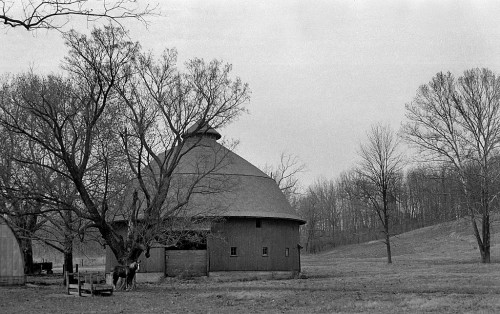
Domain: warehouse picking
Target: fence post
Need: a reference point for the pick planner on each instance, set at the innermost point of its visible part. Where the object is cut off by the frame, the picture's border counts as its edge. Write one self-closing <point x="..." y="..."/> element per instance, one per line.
<point x="64" y="274"/>
<point x="78" y="281"/>
<point x="91" y="285"/>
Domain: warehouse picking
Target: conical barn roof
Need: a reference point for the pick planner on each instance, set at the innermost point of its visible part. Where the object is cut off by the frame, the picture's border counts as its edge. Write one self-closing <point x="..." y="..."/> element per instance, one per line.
<point x="233" y="188"/>
<point x="250" y="192"/>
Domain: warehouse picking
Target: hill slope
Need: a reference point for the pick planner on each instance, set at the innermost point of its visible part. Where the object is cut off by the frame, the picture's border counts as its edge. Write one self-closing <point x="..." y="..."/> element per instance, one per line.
<point x="447" y="241"/>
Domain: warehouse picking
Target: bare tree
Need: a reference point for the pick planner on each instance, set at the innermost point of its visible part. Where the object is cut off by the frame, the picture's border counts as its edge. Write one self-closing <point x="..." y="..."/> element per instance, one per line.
<point x="120" y="128"/>
<point x="37" y="200"/>
<point x="286" y="174"/>
<point x="23" y="215"/>
<point x="458" y="122"/>
<point x="380" y="172"/>
<point x="324" y="194"/>
<point x="55" y="14"/>
<point x="351" y="207"/>
<point x="59" y="202"/>
<point x="309" y="210"/>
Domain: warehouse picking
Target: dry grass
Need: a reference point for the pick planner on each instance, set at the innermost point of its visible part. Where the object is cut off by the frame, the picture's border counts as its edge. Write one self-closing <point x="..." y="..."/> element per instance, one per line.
<point x="436" y="269"/>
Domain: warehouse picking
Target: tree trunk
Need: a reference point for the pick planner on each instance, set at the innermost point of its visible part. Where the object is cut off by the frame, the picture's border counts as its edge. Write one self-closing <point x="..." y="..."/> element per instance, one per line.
<point x="68" y="257"/>
<point x="27" y="247"/>
<point x="386" y="228"/>
<point x="388" y="244"/>
<point x="68" y="266"/>
<point x="485" y="195"/>
<point x="483" y="244"/>
<point x="333" y="234"/>
<point x="485" y="254"/>
<point x="485" y="248"/>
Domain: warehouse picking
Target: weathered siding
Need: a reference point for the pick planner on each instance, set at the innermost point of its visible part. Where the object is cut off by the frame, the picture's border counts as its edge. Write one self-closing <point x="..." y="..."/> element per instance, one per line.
<point x="111" y="261"/>
<point x="11" y="258"/>
<point x="242" y="233"/>
<point x="156" y="261"/>
<point x="186" y="262"/>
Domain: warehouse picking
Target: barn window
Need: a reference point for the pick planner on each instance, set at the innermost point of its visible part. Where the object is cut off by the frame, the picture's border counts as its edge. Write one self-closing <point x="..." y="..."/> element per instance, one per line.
<point x="234" y="251"/>
<point x="265" y="251"/>
<point x="287" y="252"/>
<point x="258" y="223"/>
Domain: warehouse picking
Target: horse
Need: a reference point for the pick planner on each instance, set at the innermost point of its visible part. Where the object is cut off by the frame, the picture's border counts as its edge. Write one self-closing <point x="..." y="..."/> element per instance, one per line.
<point x="127" y="272"/>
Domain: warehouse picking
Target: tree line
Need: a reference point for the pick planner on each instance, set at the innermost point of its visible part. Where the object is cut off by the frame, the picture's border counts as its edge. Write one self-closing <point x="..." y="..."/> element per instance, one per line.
<point x="453" y="126"/>
<point x="337" y="215"/>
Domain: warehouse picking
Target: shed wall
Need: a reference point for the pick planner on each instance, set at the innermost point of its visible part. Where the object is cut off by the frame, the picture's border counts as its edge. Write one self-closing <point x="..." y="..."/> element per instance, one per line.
<point x="11" y="258"/>
<point x="111" y="261"/>
<point x="275" y="234"/>
<point x="156" y="261"/>
<point x="154" y="264"/>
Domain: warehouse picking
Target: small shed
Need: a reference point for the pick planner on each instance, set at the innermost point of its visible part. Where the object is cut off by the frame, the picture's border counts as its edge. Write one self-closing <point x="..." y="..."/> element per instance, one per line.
<point x="11" y="257"/>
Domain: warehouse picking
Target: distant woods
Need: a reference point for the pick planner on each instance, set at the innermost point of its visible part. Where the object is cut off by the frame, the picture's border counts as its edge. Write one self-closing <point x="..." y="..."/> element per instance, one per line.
<point x="336" y="214"/>
<point x="453" y="128"/>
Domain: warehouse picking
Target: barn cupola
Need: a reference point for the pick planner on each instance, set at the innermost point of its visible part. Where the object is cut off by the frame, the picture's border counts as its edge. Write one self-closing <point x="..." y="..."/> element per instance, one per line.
<point x="205" y="131"/>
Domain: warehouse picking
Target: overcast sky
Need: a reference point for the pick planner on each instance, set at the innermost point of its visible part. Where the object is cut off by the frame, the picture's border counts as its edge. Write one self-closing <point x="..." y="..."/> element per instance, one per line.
<point x="321" y="72"/>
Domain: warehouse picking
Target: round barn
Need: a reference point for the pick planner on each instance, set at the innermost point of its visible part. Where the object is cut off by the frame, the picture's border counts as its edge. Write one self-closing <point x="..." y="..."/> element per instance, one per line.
<point x="259" y="230"/>
<point x="11" y="258"/>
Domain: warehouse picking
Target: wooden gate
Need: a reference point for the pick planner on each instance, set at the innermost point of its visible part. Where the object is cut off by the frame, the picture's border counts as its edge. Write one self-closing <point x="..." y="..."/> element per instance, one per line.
<point x="186" y="263"/>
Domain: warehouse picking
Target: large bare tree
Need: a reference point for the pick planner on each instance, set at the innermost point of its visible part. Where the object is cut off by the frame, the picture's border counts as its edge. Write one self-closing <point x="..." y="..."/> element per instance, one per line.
<point x="380" y="173"/>
<point x="55" y="14"/>
<point x="36" y="198"/>
<point x="23" y="214"/>
<point x="120" y="131"/>
<point x="457" y="121"/>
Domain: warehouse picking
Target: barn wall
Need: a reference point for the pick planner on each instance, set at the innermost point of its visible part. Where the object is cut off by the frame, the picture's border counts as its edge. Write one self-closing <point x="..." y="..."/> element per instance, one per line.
<point x="242" y="233"/>
<point x="11" y="258"/>
<point x="186" y="262"/>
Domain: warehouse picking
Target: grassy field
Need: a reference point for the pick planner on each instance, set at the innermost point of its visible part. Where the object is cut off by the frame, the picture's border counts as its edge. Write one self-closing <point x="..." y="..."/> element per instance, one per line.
<point x="435" y="269"/>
